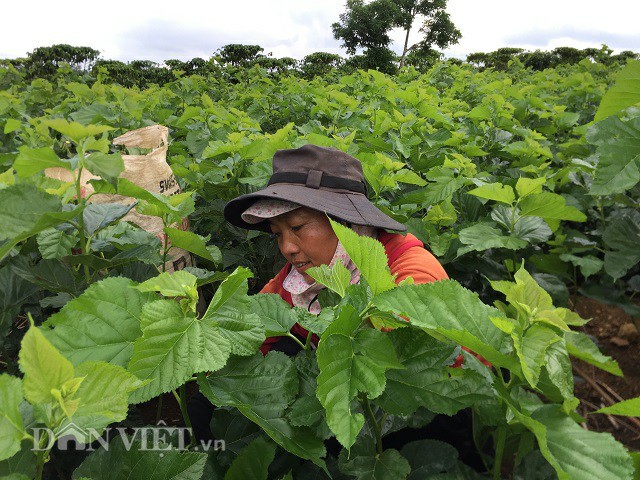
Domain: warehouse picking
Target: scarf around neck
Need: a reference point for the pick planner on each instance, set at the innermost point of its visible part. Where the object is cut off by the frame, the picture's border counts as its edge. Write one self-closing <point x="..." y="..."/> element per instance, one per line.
<point x="305" y="294"/>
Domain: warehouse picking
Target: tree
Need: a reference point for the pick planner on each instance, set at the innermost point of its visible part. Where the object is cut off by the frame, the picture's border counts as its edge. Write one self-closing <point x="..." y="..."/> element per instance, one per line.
<point x="367" y="26"/>
<point x="320" y="63"/>
<point x="238" y="55"/>
<point x="437" y="27"/>
<point x="43" y="62"/>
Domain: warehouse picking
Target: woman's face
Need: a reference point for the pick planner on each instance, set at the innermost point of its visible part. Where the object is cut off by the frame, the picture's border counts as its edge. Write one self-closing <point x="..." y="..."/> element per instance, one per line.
<point x="305" y="238"/>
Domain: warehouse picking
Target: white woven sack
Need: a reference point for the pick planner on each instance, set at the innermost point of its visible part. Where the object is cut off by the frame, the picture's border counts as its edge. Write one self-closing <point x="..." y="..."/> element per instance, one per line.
<point x="151" y="172"/>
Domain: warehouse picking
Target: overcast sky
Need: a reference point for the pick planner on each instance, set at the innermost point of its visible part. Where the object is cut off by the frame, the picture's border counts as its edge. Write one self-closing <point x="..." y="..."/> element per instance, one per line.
<point x="160" y="30"/>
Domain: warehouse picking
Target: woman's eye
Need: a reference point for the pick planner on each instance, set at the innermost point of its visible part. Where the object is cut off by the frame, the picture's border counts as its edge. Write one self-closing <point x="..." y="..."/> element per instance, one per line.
<point x="295" y="228"/>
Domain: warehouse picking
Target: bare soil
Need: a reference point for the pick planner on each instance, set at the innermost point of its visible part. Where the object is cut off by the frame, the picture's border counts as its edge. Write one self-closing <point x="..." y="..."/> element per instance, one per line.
<point x="616" y="336"/>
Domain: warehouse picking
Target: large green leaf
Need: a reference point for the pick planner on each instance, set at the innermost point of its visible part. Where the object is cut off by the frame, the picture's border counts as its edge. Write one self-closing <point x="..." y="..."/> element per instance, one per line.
<point x="581" y="346"/>
<point x="425" y="380"/>
<point x="132" y="460"/>
<point x="228" y="310"/>
<point x="433" y="459"/>
<point x="96" y="216"/>
<point x="22" y="463"/>
<point x="622" y="237"/>
<point x="532" y="348"/>
<point x="22" y="207"/>
<point x="174" y="284"/>
<point x="174" y="345"/>
<point x="557" y="366"/>
<point x="262" y="388"/>
<point x="495" y="191"/>
<point x="74" y="130"/>
<point x="11" y="424"/>
<point x="336" y="279"/>
<point x="628" y="408"/>
<point x="625" y="93"/>
<point x="527" y="186"/>
<point x="101" y="324"/>
<point x="274" y="313"/>
<point x="439" y="189"/>
<point x="389" y="465"/>
<point x="369" y="256"/>
<point x="253" y="461"/>
<point x="483" y="236"/>
<point x="14" y="291"/>
<point x="160" y="202"/>
<point x="576" y="452"/>
<point x="351" y="360"/>
<point x="618" y="151"/>
<point x="234" y="285"/>
<point x="531" y="229"/>
<point x="105" y="165"/>
<point x="194" y="243"/>
<point x="55" y="243"/>
<point x="449" y="309"/>
<point x="589" y="265"/>
<point x="33" y="160"/>
<point x="314" y="323"/>
<point x="551" y="207"/>
<point x="27" y="211"/>
<point x="50" y="274"/>
<point x="103" y="396"/>
<point x="44" y="368"/>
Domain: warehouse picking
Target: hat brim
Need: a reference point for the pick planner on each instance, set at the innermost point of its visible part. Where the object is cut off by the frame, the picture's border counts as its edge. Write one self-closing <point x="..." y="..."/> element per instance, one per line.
<point x="350" y="207"/>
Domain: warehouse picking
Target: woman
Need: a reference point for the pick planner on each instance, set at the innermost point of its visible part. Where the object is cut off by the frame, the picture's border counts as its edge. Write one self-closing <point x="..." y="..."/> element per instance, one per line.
<point x="309" y="183"/>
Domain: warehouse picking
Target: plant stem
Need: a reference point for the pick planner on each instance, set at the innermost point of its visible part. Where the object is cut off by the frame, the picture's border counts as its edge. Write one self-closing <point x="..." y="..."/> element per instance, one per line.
<point x="165" y="244"/>
<point x="39" y="465"/>
<point x="159" y="409"/>
<point x="181" y="399"/>
<point x="364" y="400"/>
<point x="304" y="347"/>
<point x="41" y="456"/>
<point x="601" y="211"/>
<point x="84" y="245"/>
<point x="501" y="437"/>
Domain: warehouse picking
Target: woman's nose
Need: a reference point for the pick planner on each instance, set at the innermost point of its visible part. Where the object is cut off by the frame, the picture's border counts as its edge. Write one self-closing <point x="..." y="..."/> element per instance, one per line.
<point x="288" y="245"/>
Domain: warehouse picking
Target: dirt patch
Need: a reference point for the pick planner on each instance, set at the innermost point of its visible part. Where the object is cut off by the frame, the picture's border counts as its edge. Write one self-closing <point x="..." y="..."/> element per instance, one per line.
<point x="616" y="335"/>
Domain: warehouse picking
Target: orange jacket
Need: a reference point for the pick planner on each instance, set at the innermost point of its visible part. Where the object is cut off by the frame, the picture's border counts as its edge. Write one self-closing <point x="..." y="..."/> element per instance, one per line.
<point x="407" y="258"/>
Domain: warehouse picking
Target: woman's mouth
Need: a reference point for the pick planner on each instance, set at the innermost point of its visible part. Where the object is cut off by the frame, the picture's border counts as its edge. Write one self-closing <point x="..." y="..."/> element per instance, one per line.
<point x="300" y="265"/>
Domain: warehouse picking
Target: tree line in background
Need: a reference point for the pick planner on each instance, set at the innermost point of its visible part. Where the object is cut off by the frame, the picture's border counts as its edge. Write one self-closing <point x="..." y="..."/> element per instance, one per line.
<point x="363" y="28"/>
<point x="234" y="60"/>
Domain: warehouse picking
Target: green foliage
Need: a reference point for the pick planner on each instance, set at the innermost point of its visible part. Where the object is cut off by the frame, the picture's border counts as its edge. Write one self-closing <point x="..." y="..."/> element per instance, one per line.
<point x="625" y="93"/>
<point x="486" y="167"/>
<point x="262" y="388"/>
<point x="351" y="361"/>
<point x="119" y="462"/>
<point x="618" y="149"/>
<point x="253" y="461"/>
<point x="629" y="408"/>
<point x="101" y="324"/>
<point x="368" y="255"/>
<point x="175" y="344"/>
<point x="10" y="419"/>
